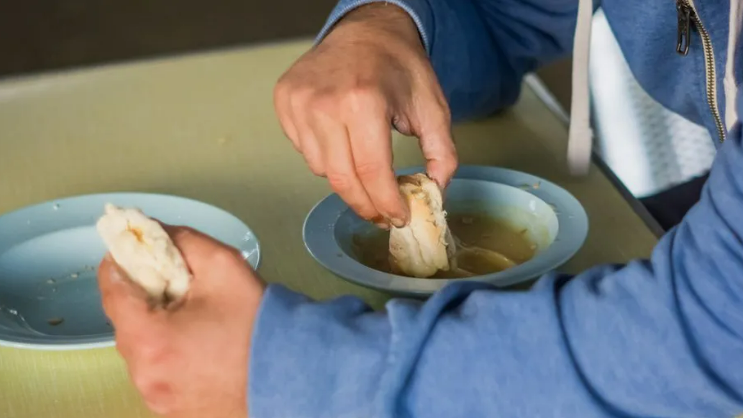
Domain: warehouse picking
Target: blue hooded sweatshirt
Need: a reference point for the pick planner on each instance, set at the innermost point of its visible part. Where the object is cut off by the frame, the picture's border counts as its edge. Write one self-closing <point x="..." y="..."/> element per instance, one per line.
<point x="655" y="338"/>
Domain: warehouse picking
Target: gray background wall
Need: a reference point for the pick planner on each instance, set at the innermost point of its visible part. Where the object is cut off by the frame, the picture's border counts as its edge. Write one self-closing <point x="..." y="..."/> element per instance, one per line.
<point x="39" y="35"/>
<point x="42" y="35"/>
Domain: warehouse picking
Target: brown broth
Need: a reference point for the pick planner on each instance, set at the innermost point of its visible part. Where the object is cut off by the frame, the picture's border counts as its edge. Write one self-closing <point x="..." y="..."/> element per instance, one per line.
<point x="473" y="231"/>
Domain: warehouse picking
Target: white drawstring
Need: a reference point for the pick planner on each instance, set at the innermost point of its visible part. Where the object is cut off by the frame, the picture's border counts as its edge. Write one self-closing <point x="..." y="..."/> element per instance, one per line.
<point x="580" y="135"/>
<point x="729" y="82"/>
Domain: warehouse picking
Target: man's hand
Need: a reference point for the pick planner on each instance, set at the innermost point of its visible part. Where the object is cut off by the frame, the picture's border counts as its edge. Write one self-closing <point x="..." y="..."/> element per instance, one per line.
<point x="190" y="361"/>
<point x="339" y="102"/>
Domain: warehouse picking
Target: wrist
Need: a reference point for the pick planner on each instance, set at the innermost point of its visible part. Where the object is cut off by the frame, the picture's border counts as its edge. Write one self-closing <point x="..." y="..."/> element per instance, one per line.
<point x="373" y="12"/>
<point x="378" y="22"/>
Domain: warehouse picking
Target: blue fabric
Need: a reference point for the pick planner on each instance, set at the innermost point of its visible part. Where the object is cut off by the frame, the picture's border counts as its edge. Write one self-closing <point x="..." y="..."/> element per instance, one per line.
<point x="481" y="49"/>
<point x="656" y="338"/>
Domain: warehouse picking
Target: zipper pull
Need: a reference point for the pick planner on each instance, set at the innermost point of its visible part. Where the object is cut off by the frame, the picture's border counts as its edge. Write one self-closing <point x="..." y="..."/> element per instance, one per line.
<point x="684" y="28"/>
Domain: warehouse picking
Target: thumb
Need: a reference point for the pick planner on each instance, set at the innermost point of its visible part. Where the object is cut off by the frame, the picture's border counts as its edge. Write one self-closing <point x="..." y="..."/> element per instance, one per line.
<point x="120" y="297"/>
<point x="436" y="142"/>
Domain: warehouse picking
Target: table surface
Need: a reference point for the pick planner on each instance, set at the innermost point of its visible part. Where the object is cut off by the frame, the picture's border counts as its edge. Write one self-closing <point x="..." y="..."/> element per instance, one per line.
<point x="203" y="126"/>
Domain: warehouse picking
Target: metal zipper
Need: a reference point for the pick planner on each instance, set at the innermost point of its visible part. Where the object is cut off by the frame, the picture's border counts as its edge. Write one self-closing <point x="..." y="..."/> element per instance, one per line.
<point x="687" y="14"/>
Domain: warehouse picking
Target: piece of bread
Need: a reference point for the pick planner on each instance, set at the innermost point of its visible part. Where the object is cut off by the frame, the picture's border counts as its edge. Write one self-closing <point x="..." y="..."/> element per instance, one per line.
<point x="425" y="245"/>
<point x="142" y="248"/>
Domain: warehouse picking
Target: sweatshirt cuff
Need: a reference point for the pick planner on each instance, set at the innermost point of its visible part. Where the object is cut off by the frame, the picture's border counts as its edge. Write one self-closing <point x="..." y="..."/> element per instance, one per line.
<point x="311" y="359"/>
<point x="419" y="11"/>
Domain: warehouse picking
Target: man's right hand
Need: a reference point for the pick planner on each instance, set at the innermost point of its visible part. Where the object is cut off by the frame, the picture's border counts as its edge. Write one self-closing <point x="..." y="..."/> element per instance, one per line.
<point x="339" y="102"/>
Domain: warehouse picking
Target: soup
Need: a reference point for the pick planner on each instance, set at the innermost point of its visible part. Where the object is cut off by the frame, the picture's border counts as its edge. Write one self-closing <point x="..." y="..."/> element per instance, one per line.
<point x="486" y="245"/>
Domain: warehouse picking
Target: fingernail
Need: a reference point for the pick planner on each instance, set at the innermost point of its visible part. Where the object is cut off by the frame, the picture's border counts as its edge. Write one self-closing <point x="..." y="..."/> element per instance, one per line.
<point x="383" y="225"/>
<point x="380" y="222"/>
<point x="115" y="274"/>
<point x="399" y="223"/>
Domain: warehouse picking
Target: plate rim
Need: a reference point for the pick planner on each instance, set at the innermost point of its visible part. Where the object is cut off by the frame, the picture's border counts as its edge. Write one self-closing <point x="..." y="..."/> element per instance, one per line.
<point x="67" y="343"/>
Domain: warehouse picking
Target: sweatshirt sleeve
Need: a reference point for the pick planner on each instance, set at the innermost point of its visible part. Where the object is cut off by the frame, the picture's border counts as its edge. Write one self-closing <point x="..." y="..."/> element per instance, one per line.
<point x="481" y="49"/>
<point x="656" y="338"/>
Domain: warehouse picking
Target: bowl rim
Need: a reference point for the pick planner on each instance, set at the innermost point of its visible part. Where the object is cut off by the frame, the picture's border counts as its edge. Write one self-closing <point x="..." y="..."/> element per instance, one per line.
<point x="318" y="234"/>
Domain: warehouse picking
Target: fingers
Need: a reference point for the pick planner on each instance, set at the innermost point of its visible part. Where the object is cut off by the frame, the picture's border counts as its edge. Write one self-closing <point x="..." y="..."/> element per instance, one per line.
<point x="436" y="142"/>
<point x="343" y="133"/>
<point x="311" y="150"/>
<point x="200" y="250"/>
<point x="349" y="142"/>
<point x="371" y="146"/>
<point x="282" y="106"/>
<point x="339" y="166"/>
<point x="218" y="269"/>
<point x="192" y="242"/>
<point x="121" y="298"/>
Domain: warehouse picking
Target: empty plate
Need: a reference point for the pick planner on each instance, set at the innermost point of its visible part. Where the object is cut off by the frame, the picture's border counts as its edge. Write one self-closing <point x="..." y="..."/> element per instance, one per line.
<point x="49" y="254"/>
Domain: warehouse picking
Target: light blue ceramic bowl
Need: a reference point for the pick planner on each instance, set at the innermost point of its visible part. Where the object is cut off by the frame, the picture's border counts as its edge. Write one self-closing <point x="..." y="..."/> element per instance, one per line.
<point x="555" y="221"/>
<point x="49" y="254"/>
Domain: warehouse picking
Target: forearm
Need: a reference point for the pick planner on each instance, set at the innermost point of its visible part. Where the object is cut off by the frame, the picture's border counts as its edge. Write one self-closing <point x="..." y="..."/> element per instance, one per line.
<point x="316" y="360"/>
<point x="554" y="351"/>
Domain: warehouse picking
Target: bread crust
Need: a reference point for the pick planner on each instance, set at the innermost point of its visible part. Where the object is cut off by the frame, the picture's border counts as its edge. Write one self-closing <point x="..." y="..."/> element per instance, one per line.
<point x="425" y="246"/>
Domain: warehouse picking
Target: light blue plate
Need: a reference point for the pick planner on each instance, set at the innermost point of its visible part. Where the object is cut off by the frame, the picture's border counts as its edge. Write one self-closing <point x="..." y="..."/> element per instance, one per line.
<point x="49" y="254"/>
<point x="555" y="221"/>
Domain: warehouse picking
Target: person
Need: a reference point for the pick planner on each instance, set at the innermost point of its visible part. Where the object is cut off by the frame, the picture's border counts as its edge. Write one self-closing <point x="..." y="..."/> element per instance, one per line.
<point x="414" y="64"/>
<point x="659" y="337"/>
<point x="656" y="338"/>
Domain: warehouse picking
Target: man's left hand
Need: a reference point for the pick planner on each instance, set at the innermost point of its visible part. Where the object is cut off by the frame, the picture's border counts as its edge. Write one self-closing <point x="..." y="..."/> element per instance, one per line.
<point x="190" y="361"/>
